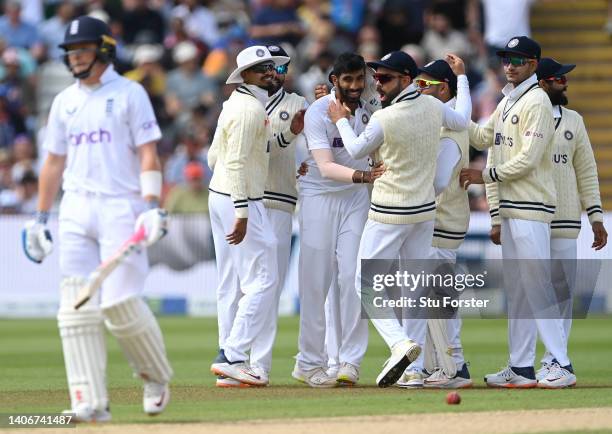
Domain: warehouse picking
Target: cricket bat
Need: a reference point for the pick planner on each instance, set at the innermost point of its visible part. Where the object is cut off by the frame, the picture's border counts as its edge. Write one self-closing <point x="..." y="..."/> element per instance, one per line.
<point x="97" y="277"/>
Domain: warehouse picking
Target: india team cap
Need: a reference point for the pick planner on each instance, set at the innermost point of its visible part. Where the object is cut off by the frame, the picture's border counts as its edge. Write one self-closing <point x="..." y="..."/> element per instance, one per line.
<point x="521" y="46"/>
<point x="277" y="50"/>
<point x="441" y="70"/>
<point x="551" y="68"/>
<point x="397" y="61"/>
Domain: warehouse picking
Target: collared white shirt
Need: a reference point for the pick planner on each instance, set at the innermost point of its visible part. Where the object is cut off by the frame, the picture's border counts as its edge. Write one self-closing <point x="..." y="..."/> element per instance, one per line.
<point x="321" y="133"/>
<point x="514" y="93"/>
<point x="99" y="130"/>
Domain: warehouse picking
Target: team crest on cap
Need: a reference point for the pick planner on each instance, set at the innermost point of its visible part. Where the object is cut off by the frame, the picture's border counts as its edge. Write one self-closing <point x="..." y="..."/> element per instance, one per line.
<point x="514" y="119"/>
<point x="568" y="135"/>
<point x="260" y="53"/>
<point x="386" y="56"/>
<point x="74" y="27"/>
<point x="272" y="48"/>
<point x="513" y="43"/>
<point x="284" y="115"/>
<point x="364" y="118"/>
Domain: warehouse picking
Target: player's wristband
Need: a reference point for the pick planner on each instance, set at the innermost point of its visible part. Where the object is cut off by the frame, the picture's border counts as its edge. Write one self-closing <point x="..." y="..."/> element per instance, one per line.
<point x="42" y="217"/>
<point x="151" y="183"/>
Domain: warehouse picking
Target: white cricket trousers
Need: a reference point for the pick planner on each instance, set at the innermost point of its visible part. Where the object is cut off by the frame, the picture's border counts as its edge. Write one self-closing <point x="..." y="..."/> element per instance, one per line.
<point x="261" y="353"/>
<point x="563" y="273"/>
<point x="453" y="325"/>
<point x="330" y="228"/>
<point x="247" y="273"/>
<point x="389" y="241"/>
<point x="93" y="227"/>
<point x="528" y="283"/>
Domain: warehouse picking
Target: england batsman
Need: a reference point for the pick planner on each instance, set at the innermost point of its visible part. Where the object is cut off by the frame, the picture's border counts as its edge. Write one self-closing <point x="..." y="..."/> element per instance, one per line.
<point x="101" y="136"/>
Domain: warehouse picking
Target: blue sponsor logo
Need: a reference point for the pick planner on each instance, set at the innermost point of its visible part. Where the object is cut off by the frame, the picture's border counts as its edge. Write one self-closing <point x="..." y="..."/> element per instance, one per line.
<point x="337" y="143"/>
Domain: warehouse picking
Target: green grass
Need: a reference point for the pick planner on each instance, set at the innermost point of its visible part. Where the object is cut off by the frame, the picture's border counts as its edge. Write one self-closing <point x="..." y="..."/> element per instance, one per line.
<point x="33" y="379"/>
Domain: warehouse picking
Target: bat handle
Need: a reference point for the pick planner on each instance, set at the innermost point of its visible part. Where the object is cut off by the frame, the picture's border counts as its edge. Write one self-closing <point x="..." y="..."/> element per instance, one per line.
<point x="81" y="303"/>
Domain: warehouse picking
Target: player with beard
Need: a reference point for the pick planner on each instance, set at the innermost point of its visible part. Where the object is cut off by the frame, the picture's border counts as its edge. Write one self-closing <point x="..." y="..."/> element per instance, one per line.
<point x="334" y="206"/>
<point x="575" y="175"/>
<point x="405" y="135"/>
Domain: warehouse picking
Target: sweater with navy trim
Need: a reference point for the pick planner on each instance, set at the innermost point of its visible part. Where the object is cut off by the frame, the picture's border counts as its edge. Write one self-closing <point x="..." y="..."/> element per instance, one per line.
<point x="404" y="194"/>
<point x="519" y="136"/>
<point x="281" y="190"/>
<point x="239" y="153"/>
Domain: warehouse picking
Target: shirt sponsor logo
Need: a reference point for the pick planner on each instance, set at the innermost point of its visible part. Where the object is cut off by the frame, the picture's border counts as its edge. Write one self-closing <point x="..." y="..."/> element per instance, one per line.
<point x="500" y="139"/>
<point x="149" y="124"/>
<point x="337" y="143"/>
<point x="560" y="158"/>
<point x="534" y="134"/>
<point x="90" y="137"/>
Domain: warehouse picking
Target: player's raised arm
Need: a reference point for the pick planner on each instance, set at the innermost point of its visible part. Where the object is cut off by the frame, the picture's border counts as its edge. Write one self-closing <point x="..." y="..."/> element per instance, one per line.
<point x="458" y="119"/>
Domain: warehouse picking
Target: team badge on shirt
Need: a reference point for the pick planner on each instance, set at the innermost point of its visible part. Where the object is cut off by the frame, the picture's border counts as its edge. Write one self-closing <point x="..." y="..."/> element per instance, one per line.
<point x="514" y="119"/>
<point x="364" y="118"/>
<point x="568" y="135"/>
<point x="284" y="115"/>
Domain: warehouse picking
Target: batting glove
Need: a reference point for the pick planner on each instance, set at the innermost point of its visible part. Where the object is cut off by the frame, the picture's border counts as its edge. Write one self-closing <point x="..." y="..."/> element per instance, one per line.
<point x="155" y="223"/>
<point x="36" y="240"/>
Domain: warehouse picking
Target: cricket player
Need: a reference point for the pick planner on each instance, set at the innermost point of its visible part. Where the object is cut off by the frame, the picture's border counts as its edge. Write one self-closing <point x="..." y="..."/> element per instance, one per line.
<point x="452" y="217"/>
<point x="101" y="136"/>
<point x="575" y="176"/>
<point x="520" y="138"/>
<point x="286" y="113"/>
<point x="334" y="206"/>
<point x="405" y="135"/>
<point x="245" y="244"/>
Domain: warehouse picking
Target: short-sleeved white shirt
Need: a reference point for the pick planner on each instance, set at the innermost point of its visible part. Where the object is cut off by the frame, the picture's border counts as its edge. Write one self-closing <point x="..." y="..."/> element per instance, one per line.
<point x="100" y="130"/>
<point x="322" y="133"/>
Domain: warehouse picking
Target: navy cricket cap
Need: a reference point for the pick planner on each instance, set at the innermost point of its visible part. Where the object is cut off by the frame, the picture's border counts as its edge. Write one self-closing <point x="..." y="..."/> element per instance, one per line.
<point x="397" y="61"/>
<point x="521" y="46"/>
<point x="551" y="68"/>
<point x="441" y="70"/>
<point x="277" y="50"/>
<point x="85" y="29"/>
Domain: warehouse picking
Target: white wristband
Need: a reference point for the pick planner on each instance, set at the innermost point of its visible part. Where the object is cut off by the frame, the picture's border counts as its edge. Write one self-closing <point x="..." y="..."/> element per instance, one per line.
<point x="151" y="183"/>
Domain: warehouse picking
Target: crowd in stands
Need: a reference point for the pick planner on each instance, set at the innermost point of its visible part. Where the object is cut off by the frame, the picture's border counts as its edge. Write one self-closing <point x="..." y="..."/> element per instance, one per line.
<point x="182" y="52"/>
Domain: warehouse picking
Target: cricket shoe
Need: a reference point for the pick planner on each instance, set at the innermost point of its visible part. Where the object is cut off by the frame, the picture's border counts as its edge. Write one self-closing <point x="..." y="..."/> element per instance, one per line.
<point x="83" y="413"/>
<point x="348" y="374"/>
<point x="543" y="371"/>
<point x="155" y="398"/>
<point x="239" y="370"/>
<point x="512" y="378"/>
<point x="558" y="377"/>
<point x="226" y="382"/>
<point x="439" y="380"/>
<point x="316" y="377"/>
<point x="402" y="354"/>
<point x="411" y="379"/>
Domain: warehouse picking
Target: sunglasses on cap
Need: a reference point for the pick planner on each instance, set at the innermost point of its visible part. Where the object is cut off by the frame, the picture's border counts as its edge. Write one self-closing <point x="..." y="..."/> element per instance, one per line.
<point x="262" y="68"/>
<point x="425" y="84"/>
<point x="515" y="61"/>
<point x="282" y="69"/>
<point x="384" y="78"/>
<point x="560" y="80"/>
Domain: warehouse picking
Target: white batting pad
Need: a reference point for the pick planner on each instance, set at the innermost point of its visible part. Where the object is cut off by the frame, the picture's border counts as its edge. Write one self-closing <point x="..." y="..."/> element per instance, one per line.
<point x="439" y="337"/>
<point x="136" y="329"/>
<point x="84" y="346"/>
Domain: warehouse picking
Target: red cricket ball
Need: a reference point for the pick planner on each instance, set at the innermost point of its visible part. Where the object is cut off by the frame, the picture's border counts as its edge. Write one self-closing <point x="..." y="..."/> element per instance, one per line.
<point x="453" y="398"/>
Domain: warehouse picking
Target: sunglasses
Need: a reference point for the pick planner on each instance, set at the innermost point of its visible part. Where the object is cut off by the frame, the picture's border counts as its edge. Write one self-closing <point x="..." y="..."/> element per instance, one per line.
<point x="384" y="78"/>
<point x="561" y="80"/>
<point x="515" y="61"/>
<point x="262" y="68"/>
<point x="282" y="69"/>
<point x="424" y="84"/>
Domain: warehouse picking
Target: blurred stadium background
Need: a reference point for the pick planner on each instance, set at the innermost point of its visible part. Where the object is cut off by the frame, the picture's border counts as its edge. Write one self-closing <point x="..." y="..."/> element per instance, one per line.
<point x="182" y="52"/>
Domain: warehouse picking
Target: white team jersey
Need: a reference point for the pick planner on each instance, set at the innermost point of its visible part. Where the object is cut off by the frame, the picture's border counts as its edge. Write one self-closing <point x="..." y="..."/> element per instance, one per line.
<point x="321" y="133"/>
<point x="100" y="130"/>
